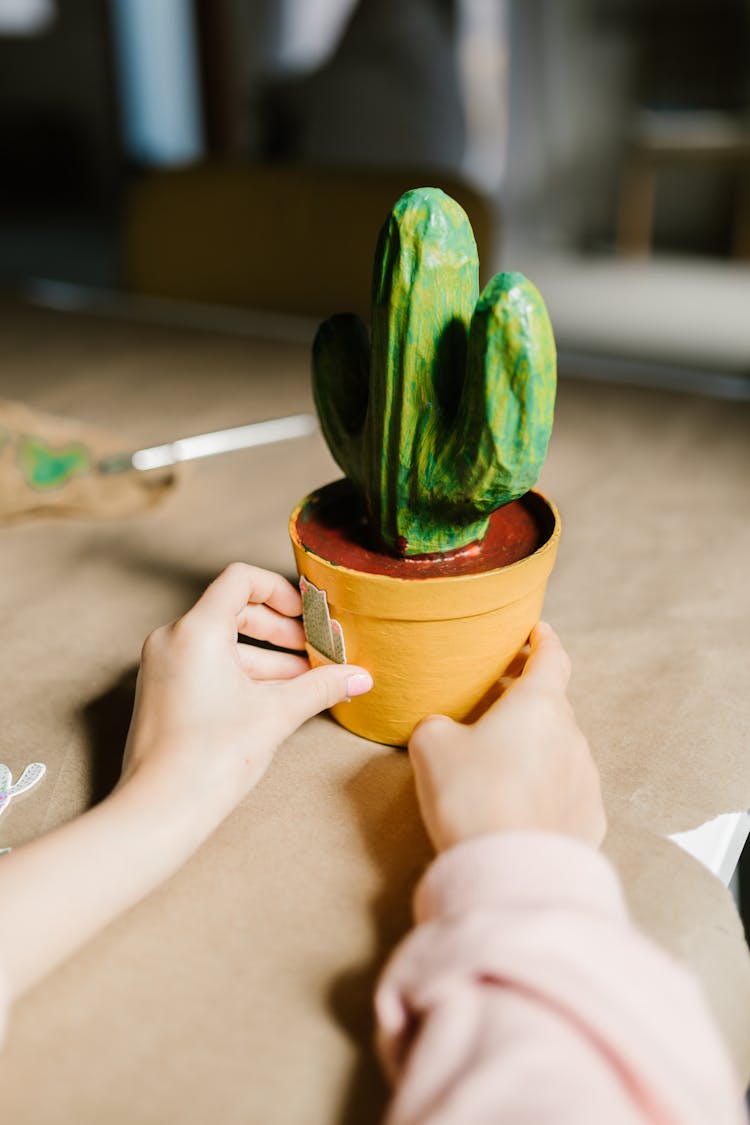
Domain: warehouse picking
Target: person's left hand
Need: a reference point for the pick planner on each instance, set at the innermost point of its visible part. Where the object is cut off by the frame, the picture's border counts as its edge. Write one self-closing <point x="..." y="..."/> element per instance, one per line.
<point x="209" y="711"/>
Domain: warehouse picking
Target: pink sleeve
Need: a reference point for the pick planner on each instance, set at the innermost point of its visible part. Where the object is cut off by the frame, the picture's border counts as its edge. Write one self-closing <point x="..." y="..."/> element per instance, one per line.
<point x="525" y="994"/>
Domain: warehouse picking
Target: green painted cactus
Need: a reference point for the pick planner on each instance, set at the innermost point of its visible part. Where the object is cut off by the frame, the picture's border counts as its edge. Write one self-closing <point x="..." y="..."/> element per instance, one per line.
<point x="445" y="414"/>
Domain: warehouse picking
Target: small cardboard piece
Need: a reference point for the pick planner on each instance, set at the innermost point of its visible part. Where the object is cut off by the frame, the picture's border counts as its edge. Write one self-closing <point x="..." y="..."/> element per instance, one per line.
<point x="48" y="467"/>
<point x="28" y="779"/>
<point x="241" y="990"/>
<point x="324" y="634"/>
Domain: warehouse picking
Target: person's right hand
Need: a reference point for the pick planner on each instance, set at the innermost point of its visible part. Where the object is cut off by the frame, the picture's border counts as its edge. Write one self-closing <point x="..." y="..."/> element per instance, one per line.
<point x="524" y="766"/>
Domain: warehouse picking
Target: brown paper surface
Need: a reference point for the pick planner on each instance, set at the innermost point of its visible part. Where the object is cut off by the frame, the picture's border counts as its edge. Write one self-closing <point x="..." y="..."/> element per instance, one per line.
<point x="241" y="991"/>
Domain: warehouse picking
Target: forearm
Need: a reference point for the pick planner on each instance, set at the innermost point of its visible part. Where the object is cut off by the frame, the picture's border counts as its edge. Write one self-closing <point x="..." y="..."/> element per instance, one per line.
<point x="61" y="889"/>
<point x="526" y="993"/>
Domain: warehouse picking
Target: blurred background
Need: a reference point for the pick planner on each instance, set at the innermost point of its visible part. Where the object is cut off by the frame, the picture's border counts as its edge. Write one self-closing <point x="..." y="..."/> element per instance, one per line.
<point x="241" y="154"/>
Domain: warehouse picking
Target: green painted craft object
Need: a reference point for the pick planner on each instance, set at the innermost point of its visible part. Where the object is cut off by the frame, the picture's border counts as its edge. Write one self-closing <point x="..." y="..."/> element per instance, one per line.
<point x="45" y="467"/>
<point x="444" y="414"/>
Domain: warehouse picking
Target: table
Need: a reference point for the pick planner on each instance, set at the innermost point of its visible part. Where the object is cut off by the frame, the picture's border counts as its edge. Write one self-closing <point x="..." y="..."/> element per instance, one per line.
<point x="241" y="990"/>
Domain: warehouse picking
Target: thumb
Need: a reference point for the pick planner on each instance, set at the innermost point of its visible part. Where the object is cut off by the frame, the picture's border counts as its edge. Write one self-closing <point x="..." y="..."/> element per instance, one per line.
<point x="320" y="688"/>
<point x="435" y="735"/>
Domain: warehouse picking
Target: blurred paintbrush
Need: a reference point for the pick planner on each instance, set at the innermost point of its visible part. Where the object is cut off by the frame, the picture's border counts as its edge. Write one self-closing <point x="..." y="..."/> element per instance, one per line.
<point x="207" y="445"/>
<point x="50" y="465"/>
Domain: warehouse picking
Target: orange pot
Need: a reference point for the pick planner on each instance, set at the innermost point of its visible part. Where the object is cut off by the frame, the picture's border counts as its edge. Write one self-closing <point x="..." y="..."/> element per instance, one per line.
<point x="431" y="644"/>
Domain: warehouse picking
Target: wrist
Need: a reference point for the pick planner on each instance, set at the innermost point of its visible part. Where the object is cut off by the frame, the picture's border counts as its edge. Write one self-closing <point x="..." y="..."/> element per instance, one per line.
<point x="165" y="801"/>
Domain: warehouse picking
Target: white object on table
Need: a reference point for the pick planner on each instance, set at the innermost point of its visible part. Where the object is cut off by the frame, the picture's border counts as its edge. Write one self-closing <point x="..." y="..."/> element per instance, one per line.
<point x="718" y="843"/>
<point x="207" y="445"/>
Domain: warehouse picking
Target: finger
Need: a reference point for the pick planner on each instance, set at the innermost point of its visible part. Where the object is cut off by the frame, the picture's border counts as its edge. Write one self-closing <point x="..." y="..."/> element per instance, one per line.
<point x="239" y="584"/>
<point x="516" y="667"/>
<point x="548" y="666"/>
<point x="266" y="624"/>
<point x="262" y="664"/>
<point x="434" y="734"/>
<point x="319" y="689"/>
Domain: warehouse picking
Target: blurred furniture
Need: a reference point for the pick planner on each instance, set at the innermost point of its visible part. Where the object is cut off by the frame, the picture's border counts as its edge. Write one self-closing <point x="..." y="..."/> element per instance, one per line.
<point x="690" y="82"/>
<point x="290" y="238"/>
<point x="686" y="141"/>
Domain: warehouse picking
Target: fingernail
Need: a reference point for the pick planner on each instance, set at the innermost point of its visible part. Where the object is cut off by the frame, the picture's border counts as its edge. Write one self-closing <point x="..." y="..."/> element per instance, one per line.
<point x="358" y="684"/>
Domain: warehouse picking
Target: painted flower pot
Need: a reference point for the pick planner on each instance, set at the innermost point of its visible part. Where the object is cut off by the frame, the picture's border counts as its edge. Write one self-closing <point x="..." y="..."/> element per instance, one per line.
<point x="436" y="633"/>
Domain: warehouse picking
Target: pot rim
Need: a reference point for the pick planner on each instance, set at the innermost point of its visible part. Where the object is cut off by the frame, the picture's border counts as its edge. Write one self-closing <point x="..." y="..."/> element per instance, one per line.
<point x="549" y="546"/>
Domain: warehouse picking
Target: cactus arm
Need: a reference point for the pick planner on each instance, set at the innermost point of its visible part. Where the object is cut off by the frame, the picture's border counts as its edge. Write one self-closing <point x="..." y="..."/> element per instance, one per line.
<point x="340" y="388"/>
<point x="505" y="416"/>
<point x="33" y="773"/>
<point x="424" y="292"/>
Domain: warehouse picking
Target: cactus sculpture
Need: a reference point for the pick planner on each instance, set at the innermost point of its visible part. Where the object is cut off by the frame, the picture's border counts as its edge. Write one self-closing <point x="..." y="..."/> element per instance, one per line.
<point x="445" y="414"/>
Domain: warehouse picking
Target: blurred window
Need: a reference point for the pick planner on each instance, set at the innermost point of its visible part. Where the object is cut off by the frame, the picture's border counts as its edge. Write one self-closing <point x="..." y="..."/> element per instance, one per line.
<point x="158" y="79"/>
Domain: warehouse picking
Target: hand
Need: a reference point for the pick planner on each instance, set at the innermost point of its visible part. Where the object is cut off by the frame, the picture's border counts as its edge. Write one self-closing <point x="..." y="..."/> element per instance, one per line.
<point x="525" y="765"/>
<point x="210" y="712"/>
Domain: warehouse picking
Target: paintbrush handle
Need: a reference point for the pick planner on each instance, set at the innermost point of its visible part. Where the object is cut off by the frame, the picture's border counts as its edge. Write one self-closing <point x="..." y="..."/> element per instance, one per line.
<point x="208" y="445"/>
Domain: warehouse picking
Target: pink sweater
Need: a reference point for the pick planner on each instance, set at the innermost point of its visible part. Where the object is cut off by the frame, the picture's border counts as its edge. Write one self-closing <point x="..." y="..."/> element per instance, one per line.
<point x="525" y="995"/>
